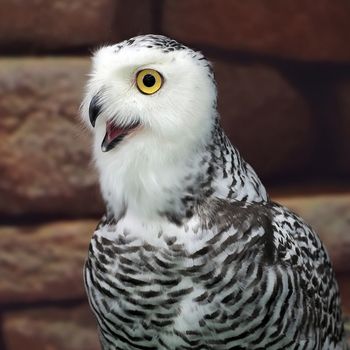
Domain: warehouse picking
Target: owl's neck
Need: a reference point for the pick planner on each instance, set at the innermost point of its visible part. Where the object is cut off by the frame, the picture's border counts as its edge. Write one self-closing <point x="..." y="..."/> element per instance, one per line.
<point x="153" y="182"/>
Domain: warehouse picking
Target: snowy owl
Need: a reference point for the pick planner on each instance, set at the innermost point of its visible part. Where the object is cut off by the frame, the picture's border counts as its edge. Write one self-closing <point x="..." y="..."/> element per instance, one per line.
<point x="192" y="253"/>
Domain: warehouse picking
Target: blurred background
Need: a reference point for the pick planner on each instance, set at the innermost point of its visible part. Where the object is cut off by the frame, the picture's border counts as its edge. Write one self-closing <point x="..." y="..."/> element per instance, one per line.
<point x="283" y="71"/>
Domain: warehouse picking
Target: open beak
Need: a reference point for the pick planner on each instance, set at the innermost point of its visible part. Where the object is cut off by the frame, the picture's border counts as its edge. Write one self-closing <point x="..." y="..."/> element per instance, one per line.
<point x="114" y="133"/>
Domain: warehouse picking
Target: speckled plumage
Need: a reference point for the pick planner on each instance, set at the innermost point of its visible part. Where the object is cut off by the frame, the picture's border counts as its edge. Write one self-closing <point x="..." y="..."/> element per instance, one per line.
<point x="191" y="253"/>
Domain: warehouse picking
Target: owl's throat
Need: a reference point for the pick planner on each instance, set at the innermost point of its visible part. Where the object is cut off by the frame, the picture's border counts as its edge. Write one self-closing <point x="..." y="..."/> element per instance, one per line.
<point x="173" y="180"/>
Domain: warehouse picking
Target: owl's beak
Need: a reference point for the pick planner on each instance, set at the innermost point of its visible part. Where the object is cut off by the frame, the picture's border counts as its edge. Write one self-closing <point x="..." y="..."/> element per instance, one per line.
<point x="114" y="133"/>
<point x="94" y="110"/>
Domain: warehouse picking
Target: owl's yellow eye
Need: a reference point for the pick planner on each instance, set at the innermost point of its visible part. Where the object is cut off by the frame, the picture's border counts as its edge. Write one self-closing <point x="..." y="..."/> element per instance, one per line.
<point x="149" y="81"/>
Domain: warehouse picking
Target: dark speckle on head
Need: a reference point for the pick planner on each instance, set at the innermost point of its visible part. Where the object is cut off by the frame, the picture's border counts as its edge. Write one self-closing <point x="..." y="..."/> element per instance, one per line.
<point x="154" y="41"/>
<point x="166" y="45"/>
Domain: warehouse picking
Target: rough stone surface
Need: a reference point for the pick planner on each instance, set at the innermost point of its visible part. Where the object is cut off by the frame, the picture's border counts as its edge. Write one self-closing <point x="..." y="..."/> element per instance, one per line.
<point x="265" y="117"/>
<point x="347" y="328"/>
<point x="55" y="23"/>
<point x="43" y="263"/>
<point x="342" y="127"/>
<point x="44" y="26"/>
<point x="51" y="329"/>
<point x="305" y="30"/>
<point x="45" y="153"/>
<point x="135" y="17"/>
<point x="344" y="285"/>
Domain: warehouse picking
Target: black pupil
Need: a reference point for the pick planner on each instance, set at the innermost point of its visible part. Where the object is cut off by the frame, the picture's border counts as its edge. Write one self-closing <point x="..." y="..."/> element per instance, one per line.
<point x="149" y="80"/>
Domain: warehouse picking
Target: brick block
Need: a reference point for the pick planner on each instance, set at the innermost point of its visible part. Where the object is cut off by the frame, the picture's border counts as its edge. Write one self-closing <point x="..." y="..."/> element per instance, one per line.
<point x="43" y="263"/>
<point x="341" y="118"/>
<point x="305" y="30"/>
<point x="51" y="328"/>
<point x="265" y="117"/>
<point x="45" y="153"/>
<point x="62" y="25"/>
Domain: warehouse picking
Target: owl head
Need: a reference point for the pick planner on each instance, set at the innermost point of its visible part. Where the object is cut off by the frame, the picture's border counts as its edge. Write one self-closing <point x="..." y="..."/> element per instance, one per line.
<point x="151" y="104"/>
<point x="149" y="89"/>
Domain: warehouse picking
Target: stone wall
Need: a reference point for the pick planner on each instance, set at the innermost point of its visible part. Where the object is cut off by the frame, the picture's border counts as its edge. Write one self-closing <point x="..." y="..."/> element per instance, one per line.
<point x="283" y="71"/>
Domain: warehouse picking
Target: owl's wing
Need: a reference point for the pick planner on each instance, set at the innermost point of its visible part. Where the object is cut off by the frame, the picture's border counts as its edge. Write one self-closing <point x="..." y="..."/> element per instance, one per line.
<point x="274" y="277"/>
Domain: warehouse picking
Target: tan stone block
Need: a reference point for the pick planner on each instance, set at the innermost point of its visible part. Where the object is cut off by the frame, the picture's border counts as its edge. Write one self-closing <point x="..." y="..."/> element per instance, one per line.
<point x="45" y="152"/>
<point x="51" y="328"/>
<point x="305" y="30"/>
<point x="341" y="119"/>
<point x="265" y="117"/>
<point x="64" y="25"/>
<point x="43" y="263"/>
